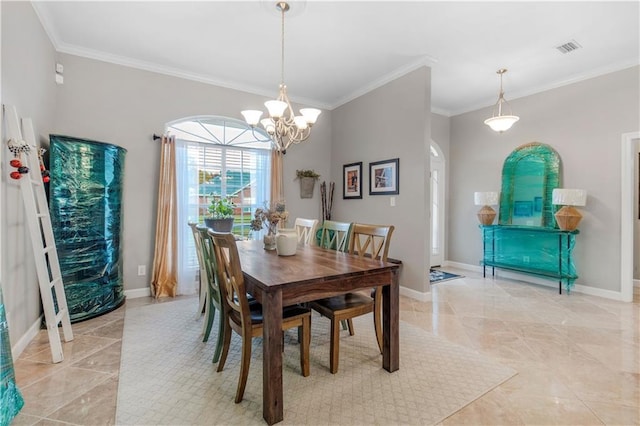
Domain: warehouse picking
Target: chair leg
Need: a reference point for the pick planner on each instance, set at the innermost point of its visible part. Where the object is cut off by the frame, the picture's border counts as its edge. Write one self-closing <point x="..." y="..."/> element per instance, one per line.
<point x="334" y="346"/>
<point x="305" y="342"/>
<point x="221" y="332"/>
<point x="210" y="314"/>
<point x="244" y="365"/>
<point x="225" y="345"/>
<point x="377" y="321"/>
<point x="202" y="298"/>
<point x="352" y="330"/>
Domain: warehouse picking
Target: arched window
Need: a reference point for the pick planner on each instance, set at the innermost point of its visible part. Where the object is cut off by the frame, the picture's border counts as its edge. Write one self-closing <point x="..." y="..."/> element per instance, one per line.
<point x="216" y="157"/>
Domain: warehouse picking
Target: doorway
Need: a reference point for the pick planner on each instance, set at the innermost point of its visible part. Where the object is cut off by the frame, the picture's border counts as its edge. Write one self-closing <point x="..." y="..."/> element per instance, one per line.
<point x="437" y="213"/>
<point x="629" y="213"/>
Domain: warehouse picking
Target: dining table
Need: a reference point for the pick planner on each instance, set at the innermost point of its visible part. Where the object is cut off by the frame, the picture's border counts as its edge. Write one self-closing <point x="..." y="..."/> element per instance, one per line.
<point x="312" y="273"/>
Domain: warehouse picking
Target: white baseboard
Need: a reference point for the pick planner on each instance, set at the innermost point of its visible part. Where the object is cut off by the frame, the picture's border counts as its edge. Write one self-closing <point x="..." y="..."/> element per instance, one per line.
<point x="577" y="288"/>
<point x="414" y="294"/>
<point x="26" y="338"/>
<point x="137" y="292"/>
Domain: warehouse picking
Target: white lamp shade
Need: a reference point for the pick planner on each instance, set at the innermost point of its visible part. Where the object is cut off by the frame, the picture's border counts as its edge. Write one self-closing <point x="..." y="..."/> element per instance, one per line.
<point x="501" y="122"/>
<point x="310" y="114"/>
<point x="268" y="125"/>
<point x="251" y="116"/>
<point x="276" y="108"/>
<point x="485" y="198"/>
<point x="301" y="123"/>
<point x="569" y="197"/>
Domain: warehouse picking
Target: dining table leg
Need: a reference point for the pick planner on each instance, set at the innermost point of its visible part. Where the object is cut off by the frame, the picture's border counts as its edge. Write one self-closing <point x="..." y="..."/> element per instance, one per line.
<point x="391" y="324"/>
<point x="272" y="399"/>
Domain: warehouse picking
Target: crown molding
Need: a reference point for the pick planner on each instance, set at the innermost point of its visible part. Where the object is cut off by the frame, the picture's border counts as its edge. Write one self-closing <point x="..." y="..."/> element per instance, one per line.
<point x="425" y="60"/>
<point x="619" y="66"/>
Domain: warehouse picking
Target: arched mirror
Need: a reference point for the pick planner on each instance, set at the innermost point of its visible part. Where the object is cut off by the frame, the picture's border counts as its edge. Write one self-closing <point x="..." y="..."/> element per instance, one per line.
<point x="529" y="175"/>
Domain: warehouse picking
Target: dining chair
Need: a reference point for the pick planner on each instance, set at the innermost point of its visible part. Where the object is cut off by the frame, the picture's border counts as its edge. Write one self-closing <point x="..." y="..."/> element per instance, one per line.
<point x="371" y="241"/>
<point x="214" y="301"/>
<point x="306" y="230"/>
<point x="202" y="298"/>
<point x="334" y="235"/>
<point x="246" y="319"/>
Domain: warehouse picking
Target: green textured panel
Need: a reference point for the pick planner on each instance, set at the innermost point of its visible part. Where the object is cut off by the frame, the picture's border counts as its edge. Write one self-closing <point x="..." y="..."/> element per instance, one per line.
<point x="529" y="175"/>
<point x="86" y="213"/>
<point x="11" y="401"/>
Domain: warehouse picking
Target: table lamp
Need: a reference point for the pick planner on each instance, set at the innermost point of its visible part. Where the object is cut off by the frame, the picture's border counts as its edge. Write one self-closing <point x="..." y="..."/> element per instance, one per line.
<point x="486" y="199"/>
<point x="568" y="217"/>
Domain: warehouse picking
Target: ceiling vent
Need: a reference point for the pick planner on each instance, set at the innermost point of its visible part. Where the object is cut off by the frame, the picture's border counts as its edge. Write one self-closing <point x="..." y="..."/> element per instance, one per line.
<point x="569" y="46"/>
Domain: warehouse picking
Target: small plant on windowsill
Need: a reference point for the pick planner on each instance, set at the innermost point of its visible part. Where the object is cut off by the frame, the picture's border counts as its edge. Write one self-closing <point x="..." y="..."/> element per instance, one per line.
<point x="221" y="216"/>
<point x="308" y="180"/>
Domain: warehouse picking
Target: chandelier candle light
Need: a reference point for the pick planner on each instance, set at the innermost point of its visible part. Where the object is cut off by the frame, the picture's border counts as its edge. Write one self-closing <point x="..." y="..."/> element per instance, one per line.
<point x="486" y="214"/>
<point x="568" y="217"/>
<point x="500" y="122"/>
<point x="283" y="125"/>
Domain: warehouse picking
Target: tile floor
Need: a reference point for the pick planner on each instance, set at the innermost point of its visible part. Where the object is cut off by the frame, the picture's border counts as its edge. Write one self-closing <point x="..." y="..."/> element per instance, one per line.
<point x="578" y="357"/>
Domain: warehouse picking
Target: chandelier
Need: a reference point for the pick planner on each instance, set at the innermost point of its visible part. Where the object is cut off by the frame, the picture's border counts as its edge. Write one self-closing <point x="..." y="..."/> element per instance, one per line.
<point x="500" y="122"/>
<point x="283" y="125"/>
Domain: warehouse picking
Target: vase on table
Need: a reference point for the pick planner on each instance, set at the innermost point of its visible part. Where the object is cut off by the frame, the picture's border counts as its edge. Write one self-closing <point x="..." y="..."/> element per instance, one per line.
<point x="269" y="241"/>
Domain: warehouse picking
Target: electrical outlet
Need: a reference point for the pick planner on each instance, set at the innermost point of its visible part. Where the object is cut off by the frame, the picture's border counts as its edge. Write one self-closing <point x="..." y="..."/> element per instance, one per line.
<point x="392" y="201"/>
<point x="142" y="270"/>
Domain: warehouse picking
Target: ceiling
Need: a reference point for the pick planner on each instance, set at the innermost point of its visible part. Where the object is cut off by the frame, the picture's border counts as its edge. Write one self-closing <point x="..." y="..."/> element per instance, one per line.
<point x="337" y="51"/>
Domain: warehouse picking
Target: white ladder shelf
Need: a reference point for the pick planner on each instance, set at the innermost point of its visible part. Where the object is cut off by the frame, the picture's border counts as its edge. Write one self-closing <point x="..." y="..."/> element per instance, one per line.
<point x="42" y="241"/>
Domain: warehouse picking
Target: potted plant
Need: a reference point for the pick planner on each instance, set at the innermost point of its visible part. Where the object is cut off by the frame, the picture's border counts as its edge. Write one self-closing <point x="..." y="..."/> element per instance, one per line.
<point x="308" y="180"/>
<point x="220" y="217"/>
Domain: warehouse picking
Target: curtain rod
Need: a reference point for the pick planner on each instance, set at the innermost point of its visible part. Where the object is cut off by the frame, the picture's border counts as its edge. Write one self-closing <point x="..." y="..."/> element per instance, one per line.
<point x="156" y="137"/>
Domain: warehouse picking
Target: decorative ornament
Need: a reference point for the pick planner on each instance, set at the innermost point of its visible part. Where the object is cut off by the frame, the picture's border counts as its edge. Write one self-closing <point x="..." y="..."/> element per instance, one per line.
<point x="43" y="171"/>
<point x="18" y="147"/>
<point x="15" y="175"/>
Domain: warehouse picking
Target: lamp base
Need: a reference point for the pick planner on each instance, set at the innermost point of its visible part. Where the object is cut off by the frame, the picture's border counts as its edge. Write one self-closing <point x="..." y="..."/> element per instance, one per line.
<point x="568" y="218"/>
<point x="486" y="215"/>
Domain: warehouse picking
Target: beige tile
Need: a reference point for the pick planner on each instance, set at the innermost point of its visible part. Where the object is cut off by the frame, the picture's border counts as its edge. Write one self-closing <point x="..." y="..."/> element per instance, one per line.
<point x="491" y="409"/>
<point x="553" y="411"/>
<point x="615" y="414"/>
<point x="95" y="407"/>
<point x="106" y="360"/>
<point x="80" y="347"/>
<point x="53" y="392"/>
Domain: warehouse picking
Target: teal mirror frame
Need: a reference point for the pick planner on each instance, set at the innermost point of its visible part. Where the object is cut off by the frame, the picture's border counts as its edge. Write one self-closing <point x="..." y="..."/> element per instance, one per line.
<point x="541" y="163"/>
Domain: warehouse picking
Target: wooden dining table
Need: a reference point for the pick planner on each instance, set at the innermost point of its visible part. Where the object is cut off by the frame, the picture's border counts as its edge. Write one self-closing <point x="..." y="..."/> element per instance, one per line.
<point x="312" y="273"/>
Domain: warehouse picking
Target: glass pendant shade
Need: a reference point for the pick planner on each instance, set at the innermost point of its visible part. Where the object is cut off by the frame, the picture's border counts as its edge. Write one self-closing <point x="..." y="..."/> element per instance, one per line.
<point x="252" y="116"/>
<point x="301" y="123"/>
<point x="276" y="108"/>
<point x="501" y="123"/>
<point x="310" y="114"/>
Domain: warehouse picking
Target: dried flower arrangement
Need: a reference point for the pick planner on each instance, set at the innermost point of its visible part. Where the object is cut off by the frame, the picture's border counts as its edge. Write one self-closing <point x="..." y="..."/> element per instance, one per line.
<point x="269" y="217"/>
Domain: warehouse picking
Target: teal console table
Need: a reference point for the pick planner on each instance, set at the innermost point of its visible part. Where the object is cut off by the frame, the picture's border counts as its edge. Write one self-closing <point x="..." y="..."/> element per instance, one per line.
<point x="544" y="252"/>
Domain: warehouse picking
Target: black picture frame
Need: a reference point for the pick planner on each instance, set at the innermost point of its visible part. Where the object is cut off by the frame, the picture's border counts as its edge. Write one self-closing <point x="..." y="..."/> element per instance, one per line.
<point x="384" y="177"/>
<point x="352" y="181"/>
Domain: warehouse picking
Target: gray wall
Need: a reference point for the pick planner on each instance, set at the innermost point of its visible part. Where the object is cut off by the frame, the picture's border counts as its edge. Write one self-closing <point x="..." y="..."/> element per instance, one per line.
<point x="583" y="122"/>
<point x="28" y="70"/>
<point x="391" y="121"/>
<point x="125" y="106"/>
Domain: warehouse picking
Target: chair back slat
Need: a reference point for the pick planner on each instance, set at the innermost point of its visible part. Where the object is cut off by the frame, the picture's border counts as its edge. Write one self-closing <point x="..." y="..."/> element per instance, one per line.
<point x="334" y="235"/>
<point x="210" y="267"/>
<point x="370" y="240"/>
<point x="230" y="278"/>
<point x="306" y="230"/>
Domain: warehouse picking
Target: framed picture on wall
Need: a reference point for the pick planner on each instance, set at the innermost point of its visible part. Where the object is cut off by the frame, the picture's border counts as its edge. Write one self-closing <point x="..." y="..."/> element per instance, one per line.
<point x="352" y="181"/>
<point x="384" y="177"/>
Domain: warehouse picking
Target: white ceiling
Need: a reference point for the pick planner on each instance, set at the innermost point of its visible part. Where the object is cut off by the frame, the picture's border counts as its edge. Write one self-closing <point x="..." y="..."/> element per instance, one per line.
<point x="336" y="51"/>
